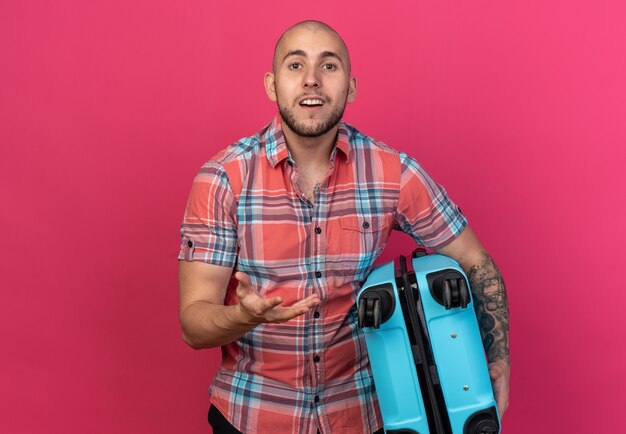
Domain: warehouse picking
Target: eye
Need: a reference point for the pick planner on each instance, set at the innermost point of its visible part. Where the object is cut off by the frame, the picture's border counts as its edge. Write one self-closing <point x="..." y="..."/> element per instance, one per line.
<point x="295" y="65"/>
<point x="329" y="66"/>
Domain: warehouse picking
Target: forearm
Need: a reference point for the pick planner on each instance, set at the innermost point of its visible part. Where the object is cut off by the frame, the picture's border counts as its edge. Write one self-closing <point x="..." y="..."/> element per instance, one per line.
<point x="490" y="303"/>
<point x="208" y="325"/>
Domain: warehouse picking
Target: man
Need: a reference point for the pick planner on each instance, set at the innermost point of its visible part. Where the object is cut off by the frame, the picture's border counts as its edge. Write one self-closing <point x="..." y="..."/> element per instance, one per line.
<point x="299" y="213"/>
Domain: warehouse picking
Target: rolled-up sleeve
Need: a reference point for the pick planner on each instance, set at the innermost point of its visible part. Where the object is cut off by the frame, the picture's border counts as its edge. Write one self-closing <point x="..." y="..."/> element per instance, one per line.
<point x="424" y="209"/>
<point x="209" y="229"/>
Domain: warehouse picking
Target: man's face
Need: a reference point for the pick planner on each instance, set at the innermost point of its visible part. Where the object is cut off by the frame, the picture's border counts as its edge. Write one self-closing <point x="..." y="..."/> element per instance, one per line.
<point x="311" y="82"/>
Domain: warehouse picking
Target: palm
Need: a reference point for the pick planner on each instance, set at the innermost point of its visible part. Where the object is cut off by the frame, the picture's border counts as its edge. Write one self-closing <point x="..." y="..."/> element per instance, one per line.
<point x="267" y="310"/>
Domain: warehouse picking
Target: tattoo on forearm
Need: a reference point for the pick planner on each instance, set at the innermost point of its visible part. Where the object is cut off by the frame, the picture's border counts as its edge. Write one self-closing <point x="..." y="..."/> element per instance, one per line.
<point x="491" y="308"/>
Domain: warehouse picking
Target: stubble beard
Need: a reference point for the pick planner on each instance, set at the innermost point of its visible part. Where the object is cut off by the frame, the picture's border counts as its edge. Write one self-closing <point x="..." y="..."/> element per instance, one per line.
<point x="307" y="130"/>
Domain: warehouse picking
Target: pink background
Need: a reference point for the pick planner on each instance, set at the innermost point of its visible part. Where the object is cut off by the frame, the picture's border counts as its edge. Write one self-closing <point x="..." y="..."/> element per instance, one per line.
<point x="108" y="109"/>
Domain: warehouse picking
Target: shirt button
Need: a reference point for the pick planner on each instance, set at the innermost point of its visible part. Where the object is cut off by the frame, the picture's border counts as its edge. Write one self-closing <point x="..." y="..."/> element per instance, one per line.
<point x="317" y="398"/>
<point x="316" y="314"/>
<point x="189" y="243"/>
<point x="316" y="359"/>
<point x="318" y="230"/>
<point x="366" y="225"/>
<point x="318" y="274"/>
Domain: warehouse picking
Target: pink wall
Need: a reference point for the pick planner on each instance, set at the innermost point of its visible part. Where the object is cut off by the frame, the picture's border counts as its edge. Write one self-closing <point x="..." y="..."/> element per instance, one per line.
<point x="107" y="109"/>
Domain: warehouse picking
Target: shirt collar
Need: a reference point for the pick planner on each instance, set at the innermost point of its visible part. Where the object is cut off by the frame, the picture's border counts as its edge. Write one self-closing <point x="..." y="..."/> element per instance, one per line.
<point x="276" y="148"/>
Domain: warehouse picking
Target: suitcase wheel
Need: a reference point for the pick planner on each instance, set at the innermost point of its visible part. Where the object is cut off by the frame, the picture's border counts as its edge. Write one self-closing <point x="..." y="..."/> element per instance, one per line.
<point x="487" y="427"/>
<point x="483" y="422"/>
<point x="449" y="288"/>
<point x="375" y="306"/>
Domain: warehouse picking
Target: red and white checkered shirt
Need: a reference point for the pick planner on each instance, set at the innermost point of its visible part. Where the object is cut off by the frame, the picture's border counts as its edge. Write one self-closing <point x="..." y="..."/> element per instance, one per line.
<point x="246" y="211"/>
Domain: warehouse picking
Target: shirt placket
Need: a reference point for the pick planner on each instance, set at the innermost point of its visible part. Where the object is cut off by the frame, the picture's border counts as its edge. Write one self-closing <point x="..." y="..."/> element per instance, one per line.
<point x="318" y="261"/>
<point x="315" y="218"/>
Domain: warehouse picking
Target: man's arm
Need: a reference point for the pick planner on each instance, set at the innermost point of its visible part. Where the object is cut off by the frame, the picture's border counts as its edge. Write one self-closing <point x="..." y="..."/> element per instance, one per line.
<point x="206" y="322"/>
<point x="490" y="303"/>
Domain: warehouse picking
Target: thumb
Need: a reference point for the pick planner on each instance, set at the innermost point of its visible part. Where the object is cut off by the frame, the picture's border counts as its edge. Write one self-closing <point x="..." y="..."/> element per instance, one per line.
<point x="494" y="373"/>
<point x="243" y="278"/>
<point x="245" y="284"/>
<point x="496" y="369"/>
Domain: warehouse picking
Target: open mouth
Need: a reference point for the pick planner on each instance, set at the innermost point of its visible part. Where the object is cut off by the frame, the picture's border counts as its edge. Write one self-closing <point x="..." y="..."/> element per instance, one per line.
<point x="311" y="102"/>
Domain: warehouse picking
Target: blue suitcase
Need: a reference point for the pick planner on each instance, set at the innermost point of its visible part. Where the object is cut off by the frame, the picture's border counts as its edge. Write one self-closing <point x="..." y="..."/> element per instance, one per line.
<point x="425" y="349"/>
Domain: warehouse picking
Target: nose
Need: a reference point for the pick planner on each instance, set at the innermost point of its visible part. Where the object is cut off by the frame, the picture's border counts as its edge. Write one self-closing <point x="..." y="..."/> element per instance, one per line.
<point x="311" y="78"/>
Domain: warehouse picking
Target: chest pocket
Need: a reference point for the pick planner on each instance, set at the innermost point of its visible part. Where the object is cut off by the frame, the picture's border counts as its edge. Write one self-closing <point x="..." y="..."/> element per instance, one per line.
<point x="364" y="238"/>
<point x="357" y="243"/>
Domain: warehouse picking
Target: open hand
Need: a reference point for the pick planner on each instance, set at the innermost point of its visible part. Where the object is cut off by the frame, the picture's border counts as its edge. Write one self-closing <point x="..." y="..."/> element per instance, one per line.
<point x="257" y="309"/>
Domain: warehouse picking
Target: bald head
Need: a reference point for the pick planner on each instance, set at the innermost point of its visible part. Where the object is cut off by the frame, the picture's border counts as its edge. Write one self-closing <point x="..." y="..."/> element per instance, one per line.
<point x="313" y="26"/>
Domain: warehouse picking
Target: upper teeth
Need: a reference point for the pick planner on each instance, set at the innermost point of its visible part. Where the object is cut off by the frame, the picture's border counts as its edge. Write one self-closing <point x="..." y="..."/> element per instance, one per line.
<point x="312" y="102"/>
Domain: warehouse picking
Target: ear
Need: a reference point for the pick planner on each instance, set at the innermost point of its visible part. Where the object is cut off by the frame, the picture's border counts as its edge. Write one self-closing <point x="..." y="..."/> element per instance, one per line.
<point x="270" y="86"/>
<point x="352" y="90"/>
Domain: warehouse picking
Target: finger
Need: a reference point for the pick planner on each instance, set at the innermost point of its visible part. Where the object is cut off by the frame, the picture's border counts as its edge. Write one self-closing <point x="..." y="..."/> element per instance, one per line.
<point x="502" y="397"/>
<point x="245" y="285"/>
<point x="243" y="278"/>
<point x="309" y="301"/>
<point x="494" y="373"/>
<point x="502" y="407"/>
<point x="496" y="370"/>
<point x="261" y="307"/>
<point x="247" y="295"/>
<point x="287" y="313"/>
<point x="271" y="303"/>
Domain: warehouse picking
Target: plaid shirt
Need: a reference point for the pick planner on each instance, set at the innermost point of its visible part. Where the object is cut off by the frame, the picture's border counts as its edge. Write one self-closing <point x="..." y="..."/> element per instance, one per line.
<point x="246" y="211"/>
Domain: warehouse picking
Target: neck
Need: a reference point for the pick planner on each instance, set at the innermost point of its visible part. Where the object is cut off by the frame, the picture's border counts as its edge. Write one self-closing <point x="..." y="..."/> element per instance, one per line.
<point x="309" y="151"/>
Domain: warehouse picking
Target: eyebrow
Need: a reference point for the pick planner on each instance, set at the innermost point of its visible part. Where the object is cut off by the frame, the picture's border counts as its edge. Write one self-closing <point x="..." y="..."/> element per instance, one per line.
<point x="323" y="55"/>
<point x="294" y="53"/>
<point x="331" y="54"/>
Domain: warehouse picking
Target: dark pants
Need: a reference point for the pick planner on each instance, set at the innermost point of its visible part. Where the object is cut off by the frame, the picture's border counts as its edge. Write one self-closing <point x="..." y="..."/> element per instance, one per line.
<point x="221" y="426"/>
<point x="219" y="423"/>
